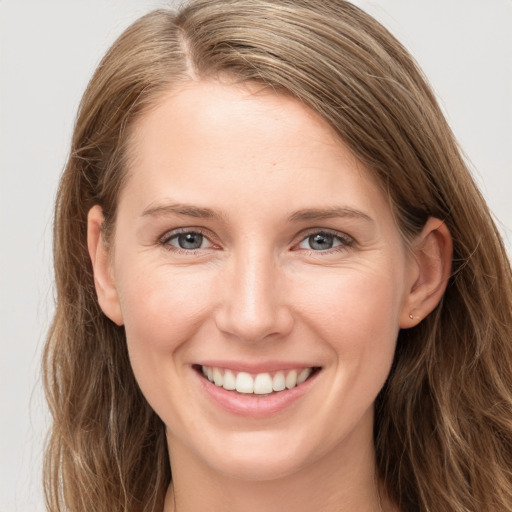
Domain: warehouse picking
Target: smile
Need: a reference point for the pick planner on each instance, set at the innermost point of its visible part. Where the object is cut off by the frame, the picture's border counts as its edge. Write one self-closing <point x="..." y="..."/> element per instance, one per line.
<point x="255" y="391"/>
<point x="257" y="384"/>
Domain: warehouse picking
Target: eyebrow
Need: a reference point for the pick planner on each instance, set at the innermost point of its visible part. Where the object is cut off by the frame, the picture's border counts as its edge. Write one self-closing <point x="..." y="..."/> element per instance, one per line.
<point x="187" y="210"/>
<point x="309" y="214"/>
<point x="329" y="213"/>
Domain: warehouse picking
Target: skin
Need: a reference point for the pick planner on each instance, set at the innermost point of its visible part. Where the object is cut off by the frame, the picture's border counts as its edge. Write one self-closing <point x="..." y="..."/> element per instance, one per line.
<point x="256" y="291"/>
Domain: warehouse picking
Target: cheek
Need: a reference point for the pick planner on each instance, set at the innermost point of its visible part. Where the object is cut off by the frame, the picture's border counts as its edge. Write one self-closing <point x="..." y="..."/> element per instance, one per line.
<point x="356" y="313"/>
<point x="161" y="308"/>
<point x="162" y="311"/>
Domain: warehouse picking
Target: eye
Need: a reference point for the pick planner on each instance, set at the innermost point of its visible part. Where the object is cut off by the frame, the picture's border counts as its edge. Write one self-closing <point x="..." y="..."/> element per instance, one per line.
<point x="186" y="241"/>
<point x="323" y="241"/>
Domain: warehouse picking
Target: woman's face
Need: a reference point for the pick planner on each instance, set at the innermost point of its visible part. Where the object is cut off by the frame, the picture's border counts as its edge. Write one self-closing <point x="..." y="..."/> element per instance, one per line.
<point x="252" y="246"/>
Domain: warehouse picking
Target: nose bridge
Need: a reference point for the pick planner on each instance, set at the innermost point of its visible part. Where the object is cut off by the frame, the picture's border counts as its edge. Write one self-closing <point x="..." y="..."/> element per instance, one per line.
<point x="253" y="306"/>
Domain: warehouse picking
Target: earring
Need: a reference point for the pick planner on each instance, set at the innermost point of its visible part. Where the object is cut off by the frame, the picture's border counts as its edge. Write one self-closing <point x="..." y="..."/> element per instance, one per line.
<point x="411" y="317"/>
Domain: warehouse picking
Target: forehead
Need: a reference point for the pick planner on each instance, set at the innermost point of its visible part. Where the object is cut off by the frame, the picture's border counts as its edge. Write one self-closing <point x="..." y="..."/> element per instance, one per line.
<point x="207" y="138"/>
<point x="222" y="114"/>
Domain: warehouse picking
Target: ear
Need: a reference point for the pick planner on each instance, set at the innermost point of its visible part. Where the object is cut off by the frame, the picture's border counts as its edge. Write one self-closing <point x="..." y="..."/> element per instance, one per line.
<point x="432" y="263"/>
<point x="102" y="267"/>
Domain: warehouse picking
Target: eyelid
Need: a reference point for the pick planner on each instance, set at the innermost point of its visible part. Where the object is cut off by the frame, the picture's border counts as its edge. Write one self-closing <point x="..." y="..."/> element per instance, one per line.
<point x="346" y="239"/>
<point x="172" y="233"/>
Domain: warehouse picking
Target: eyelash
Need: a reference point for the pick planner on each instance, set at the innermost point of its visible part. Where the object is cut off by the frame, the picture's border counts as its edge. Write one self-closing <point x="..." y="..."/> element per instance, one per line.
<point x="345" y="241"/>
<point x="165" y="240"/>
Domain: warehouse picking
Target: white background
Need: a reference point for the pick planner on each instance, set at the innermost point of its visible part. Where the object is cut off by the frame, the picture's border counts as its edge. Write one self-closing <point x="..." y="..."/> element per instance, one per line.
<point x="49" y="50"/>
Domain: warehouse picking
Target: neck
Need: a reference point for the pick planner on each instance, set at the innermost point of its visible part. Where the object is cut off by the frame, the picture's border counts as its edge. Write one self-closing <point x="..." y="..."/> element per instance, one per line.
<point x="342" y="480"/>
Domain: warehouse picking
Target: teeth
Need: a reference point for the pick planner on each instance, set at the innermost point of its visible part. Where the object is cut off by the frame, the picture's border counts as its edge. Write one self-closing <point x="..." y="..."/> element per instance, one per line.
<point x="244" y="383"/>
<point x="217" y="377"/>
<point x="291" y="379"/>
<point x="279" y="382"/>
<point x="229" y="381"/>
<point x="260" y="384"/>
<point x="303" y="375"/>
<point x="263" y="384"/>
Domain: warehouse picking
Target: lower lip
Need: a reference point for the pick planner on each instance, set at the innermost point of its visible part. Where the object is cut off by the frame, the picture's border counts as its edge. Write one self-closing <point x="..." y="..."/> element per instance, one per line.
<point x="254" y="406"/>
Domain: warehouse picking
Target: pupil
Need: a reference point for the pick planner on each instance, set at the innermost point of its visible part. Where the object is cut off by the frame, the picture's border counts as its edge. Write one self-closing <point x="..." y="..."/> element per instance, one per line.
<point x="321" y="241"/>
<point x="190" y="240"/>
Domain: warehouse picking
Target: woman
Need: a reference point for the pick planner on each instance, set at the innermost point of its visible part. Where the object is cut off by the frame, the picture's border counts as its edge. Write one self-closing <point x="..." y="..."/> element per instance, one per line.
<point x="276" y="278"/>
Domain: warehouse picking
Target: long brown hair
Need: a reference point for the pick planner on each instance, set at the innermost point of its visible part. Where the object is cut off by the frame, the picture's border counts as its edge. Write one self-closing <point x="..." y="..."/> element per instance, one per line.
<point x="443" y="428"/>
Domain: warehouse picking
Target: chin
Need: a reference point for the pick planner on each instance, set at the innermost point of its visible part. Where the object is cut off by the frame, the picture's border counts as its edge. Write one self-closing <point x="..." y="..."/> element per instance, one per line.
<point x="258" y="469"/>
<point x="260" y="456"/>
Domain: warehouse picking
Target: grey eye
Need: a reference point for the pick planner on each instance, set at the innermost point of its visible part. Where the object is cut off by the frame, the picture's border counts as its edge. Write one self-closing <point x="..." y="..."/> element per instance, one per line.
<point x="321" y="241"/>
<point x="188" y="241"/>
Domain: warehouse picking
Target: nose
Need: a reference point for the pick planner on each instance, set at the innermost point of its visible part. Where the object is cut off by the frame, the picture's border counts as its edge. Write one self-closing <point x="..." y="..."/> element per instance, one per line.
<point x="253" y="299"/>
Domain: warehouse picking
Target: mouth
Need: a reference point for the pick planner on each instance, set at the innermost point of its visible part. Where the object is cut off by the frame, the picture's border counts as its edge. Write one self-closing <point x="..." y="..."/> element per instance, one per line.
<point x="260" y="384"/>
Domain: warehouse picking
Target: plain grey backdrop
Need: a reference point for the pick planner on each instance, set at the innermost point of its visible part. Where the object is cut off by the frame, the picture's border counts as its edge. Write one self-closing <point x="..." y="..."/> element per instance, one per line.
<point x="48" y="51"/>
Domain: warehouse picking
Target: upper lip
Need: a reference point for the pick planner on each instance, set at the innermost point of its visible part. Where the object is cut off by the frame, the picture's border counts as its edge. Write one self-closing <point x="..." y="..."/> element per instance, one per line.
<point x="256" y="367"/>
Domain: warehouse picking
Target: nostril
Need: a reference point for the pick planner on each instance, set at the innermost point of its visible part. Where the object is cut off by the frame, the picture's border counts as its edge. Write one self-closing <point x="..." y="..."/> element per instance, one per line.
<point x="255" y="324"/>
<point x="253" y="303"/>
